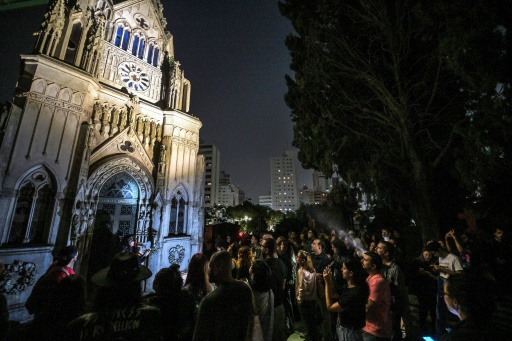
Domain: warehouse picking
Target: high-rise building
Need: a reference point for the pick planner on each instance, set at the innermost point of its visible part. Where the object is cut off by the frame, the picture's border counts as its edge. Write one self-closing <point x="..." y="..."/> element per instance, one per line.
<point x="211" y="173"/>
<point x="98" y="145"/>
<point x="321" y="183"/>
<point x="228" y="195"/>
<point x="224" y="178"/>
<point x="265" y="200"/>
<point x="283" y="175"/>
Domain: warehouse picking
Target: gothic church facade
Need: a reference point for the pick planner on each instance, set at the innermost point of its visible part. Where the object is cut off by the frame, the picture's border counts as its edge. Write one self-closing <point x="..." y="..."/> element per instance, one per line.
<point x="98" y="145"/>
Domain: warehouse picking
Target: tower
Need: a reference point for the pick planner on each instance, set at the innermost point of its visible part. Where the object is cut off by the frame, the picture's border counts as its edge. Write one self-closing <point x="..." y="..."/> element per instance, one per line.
<point x="212" y="173"/>
<point x="98" y="144"/>
<point x="283" y="176"/>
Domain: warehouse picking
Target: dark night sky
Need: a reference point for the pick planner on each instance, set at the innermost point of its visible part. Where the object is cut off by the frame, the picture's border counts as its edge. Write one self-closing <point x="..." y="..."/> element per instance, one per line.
<point x="233" y="53"/>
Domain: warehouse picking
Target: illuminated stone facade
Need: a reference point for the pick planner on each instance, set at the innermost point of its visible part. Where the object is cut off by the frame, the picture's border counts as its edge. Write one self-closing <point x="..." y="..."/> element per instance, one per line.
<point x="98" y="145"/>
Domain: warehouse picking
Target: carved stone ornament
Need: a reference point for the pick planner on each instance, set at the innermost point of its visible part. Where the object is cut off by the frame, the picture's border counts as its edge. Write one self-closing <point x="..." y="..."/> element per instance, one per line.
<point x="17" y="277"/>
<point x="176" y="254"/>
<point x="55" y="102"/>
<point x="109" y="169"/>
<point x="114" y="145"/>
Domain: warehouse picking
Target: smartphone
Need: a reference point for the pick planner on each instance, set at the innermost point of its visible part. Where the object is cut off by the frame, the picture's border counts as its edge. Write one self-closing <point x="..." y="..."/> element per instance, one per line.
<point x="428" y="338"/>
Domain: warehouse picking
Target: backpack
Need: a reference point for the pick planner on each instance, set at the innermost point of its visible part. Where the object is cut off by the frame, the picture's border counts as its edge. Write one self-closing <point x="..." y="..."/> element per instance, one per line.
<point x="42" y="292"/>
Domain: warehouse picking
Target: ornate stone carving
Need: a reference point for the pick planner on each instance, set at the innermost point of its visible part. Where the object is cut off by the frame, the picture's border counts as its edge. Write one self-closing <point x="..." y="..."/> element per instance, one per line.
<point x="176" y="254"/>
<point x="50" y="101"/>
<point x="17" y="277"/>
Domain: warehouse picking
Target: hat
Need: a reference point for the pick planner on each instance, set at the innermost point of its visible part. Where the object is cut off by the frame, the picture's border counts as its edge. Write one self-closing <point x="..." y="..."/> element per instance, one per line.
<point x="123" y="269"/>
<point x="432" y="246"/>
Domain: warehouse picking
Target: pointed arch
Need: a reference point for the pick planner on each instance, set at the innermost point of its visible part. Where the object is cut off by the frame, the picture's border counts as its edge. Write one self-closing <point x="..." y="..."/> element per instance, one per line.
<point x="52" y="90"/>
<point x="179" y="211"/>
<point x="34" y="207"/>
<point x="73" y="42"/>
<point x="155" y="56"/>
<point x="65" y="95"/>
<point x="38" y="86"/>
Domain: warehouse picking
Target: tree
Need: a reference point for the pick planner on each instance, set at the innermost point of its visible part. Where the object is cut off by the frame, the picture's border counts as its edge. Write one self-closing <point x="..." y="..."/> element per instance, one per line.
<point x="404" y="97"/>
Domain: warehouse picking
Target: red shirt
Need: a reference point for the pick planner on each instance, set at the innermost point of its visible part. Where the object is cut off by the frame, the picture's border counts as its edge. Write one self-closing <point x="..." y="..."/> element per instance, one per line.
<point x="56" y="276"/>
<point x="378" y="321"/>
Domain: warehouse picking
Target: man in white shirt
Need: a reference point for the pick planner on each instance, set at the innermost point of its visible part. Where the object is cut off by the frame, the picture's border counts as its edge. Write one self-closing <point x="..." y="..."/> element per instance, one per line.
<point x="449" y="264"/>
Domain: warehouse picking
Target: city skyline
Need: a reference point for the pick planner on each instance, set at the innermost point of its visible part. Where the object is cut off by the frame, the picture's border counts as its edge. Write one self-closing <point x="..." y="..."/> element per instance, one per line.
<point x="234" y="55"/>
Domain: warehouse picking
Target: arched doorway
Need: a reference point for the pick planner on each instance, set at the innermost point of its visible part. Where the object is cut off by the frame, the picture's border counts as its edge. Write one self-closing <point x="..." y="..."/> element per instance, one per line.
<point x="119" y="197"/>
<point x="116" y="217"/>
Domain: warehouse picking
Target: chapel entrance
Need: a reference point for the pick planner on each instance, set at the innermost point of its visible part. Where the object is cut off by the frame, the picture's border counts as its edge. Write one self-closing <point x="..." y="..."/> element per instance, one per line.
<point x="116" y="217"/>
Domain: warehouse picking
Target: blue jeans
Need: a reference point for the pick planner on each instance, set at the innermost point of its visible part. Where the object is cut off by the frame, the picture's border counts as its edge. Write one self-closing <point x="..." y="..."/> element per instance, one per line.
<point x="348" y="334"/>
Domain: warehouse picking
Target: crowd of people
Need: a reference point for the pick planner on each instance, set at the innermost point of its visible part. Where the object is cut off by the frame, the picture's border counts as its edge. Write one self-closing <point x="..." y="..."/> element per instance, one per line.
<point x="341" y="285"/>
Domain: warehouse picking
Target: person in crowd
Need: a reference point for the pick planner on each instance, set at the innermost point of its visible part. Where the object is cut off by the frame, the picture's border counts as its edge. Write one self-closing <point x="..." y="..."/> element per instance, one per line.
<point x="356" y="241"/>
<point x="233" y="251"/>
<point x="401" y="249"/>
<point x="424" y="286"/>
<point x="385" y="234"/>
<point x="339" y="252"/>
<point x="118" y="312"/>
<point x="255" y="246"/>
<point x="312" y="234"/>
<point x="177" y="307"/>
<point x="448" y="265"/>
<point x="39" y="301"/>
<point x="320" y="262"/>
<point x="261" y="284"/>
<point x="351" y="304"/>
<point x="468" y="297"/>
<point x="399" y="295"/>
<point x="220" y="244"/>
<point x="378" y="318"/>
<point x="303" y="239"/>
<point x="128" y="244"/>
<point x="285" y="252"/>
<point x="66" y="303"/>
<point x="500" y="260"/>
<point x="269" y="251"/>
<point x="4" y="311"/>
<point x="292" y="237"/>
<point x="197" y="281"/>
<point x="464" y="248"/>
<point x="243" y="262"/>
<point x="224" y="314"/>
<point x="306" y="291"/>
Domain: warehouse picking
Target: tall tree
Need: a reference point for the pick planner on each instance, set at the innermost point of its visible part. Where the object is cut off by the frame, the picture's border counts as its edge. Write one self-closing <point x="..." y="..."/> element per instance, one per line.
<point x="403" y="96"/>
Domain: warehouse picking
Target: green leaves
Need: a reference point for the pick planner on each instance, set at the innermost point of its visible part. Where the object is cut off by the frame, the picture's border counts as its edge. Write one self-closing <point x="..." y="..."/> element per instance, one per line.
<point x="382" y="90"/>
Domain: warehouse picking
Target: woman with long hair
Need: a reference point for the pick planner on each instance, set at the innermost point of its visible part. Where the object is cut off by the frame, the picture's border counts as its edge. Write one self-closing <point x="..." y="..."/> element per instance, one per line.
<point x="286" y="254"/>
<point x="305" y="291"/>
<point x="261" y="284"/>
<point x="351" y="304"/>
<point x="197" y="282"/>
<point x="243" y="262"/>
